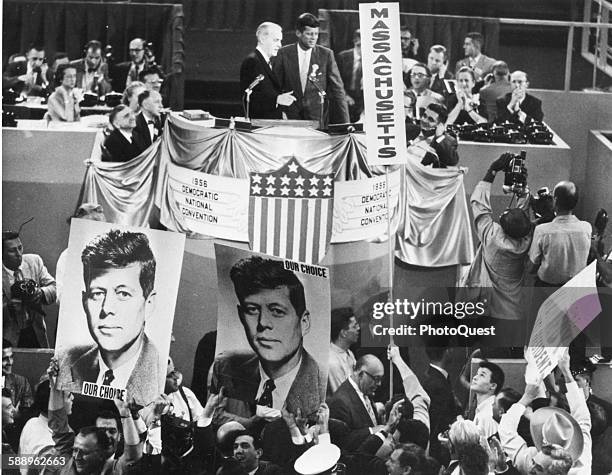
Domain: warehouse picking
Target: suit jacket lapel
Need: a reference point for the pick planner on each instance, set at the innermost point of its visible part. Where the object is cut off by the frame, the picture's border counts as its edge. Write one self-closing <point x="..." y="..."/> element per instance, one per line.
<point x="267" y="69"/>
<point x="6" y="287"/>
<point x="294" y="70"/>
<point x="357" y="402"/>
<point x="86" y="368"/>
<point x="301" y="393"/>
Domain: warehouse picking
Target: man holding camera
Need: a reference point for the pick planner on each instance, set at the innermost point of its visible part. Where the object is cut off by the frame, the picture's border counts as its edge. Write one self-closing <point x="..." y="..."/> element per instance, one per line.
<point x="26" y="287"/>
<point x="498" y="269"/>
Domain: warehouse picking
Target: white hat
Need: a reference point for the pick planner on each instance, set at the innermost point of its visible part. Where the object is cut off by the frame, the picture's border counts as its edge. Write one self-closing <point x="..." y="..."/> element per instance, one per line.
<point x="317" y="459"/>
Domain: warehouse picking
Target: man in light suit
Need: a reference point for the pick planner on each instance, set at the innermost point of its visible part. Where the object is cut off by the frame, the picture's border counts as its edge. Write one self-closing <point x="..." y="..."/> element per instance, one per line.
<point x="92" y="70"/>
<point x="266" y="98"/>
<point x="304" y="68"/>
<point x="119" y="275"/>
<point x="281" y="374"/>
<point x="474" y="59"/>
<point x="22" y="305"/>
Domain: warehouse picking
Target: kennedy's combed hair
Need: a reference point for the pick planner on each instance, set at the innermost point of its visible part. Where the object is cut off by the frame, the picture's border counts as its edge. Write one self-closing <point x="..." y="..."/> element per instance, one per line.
<point x="118" y="249"/>
<point x="254" y="274"/>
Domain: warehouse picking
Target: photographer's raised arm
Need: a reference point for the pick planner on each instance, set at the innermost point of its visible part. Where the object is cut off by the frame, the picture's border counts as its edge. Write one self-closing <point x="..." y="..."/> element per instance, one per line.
<point x="481" y="197"/>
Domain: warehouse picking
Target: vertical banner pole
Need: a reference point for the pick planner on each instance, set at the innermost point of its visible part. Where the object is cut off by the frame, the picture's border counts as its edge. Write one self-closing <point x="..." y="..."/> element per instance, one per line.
<point x="391" y="251"/>
<point x="383" y="86"/>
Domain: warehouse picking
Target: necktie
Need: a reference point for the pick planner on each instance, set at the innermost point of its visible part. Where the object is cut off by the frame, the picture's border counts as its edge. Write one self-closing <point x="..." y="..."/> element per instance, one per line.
<point x="304" y="72"/>
<point x="266" y="397"/>
<point x="368" y="405"/>
<point x="108" y="377"/>
<point x="17" y="275"/>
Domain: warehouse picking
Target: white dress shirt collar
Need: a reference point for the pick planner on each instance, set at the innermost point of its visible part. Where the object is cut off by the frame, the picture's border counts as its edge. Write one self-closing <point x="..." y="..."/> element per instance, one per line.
<point x="122" y="373"/>
<point x="282" y="385"/>
<point x="127" y="135"/>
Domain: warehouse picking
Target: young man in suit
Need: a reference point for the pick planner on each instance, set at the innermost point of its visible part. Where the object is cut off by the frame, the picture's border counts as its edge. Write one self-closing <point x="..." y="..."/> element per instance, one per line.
<point x="28" y="77"/>
<point x="119" y="297"/>
<point x="281" y="374"/>
<point x="266" y="99"/>
<point x="122" y="144"/>
<point x="349" y="64"/>
<point x="437" y="62"/>
<point x="92" y="70"/>
<point x="474" y="59"/>
<point x="304" y="68"/>
<point x="150" y="121"/>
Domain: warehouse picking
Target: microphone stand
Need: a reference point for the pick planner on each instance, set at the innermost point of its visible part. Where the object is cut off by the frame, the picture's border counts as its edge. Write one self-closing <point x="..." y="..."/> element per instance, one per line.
<point x="322" y="95"/>
<point x="248" y="93"/>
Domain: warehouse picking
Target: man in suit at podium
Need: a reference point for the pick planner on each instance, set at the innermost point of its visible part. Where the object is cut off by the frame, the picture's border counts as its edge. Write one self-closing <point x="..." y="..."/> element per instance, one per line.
<point x="256" y="74"/>
<point x="305" y="68"/>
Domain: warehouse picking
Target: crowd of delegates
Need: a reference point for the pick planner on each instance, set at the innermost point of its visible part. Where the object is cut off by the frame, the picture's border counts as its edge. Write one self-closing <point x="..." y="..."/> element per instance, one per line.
<point x="554" y="428"/>
<point x="133" y="125"/>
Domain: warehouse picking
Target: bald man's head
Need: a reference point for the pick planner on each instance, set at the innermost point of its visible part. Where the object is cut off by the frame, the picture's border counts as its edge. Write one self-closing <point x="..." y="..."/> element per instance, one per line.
<point x="565" y="196"/>
<point x="368" y="374"/>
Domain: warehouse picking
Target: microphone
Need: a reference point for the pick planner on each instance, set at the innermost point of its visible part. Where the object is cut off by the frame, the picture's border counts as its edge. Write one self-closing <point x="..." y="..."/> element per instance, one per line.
<point x="257" y="80"/>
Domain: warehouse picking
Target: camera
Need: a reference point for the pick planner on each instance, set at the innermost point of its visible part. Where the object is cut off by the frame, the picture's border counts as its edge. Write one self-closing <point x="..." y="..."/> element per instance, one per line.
<point x="515" y="174"/>
<point x="542" y="205"/>
<point x="24" y="290"/>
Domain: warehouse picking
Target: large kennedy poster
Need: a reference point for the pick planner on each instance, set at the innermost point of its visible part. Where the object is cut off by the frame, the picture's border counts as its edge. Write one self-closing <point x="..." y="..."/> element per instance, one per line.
<point x="117" y="310"/>
<point x="273" y="334"/>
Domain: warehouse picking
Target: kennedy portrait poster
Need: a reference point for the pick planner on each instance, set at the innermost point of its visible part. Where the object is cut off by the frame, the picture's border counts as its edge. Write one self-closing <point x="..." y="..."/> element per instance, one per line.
<point x="115" y="320"/>
<point x="273" y="329"/>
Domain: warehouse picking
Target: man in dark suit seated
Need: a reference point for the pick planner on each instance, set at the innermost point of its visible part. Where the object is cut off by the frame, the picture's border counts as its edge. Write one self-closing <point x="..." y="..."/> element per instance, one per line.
<point x="281" y="373"/>
<point x="122" y="144"/>
<point x="351" y="403"/>
<point x="92" y="70"/>
<point x="123" y="74"/>
<point x="518" y="105"/>
<point x="349" y="64"/>
<point x="29" y="77"/>
<point x="119" y="275"/>
<point x="150" y="121"/>
<point x="266" y="98"/>
<point x="304" y="68"/>
<point x="437" y="62"/>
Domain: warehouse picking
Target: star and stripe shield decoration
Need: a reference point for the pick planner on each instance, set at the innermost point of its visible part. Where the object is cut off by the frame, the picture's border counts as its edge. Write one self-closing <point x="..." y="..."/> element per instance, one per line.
<point x="290" y="213"/>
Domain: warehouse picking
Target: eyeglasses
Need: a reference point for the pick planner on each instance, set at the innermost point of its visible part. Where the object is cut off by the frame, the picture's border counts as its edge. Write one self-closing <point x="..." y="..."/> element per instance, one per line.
<point x="377" y="379"/>
<point x="418" y="75"/>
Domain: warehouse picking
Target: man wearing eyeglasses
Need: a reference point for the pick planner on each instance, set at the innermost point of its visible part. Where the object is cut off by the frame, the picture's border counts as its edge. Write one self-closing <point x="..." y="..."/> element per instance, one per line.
<point x="433" y="144"/>
<point x="125" y="73"/>
<point x="418" y="96"/>
<point x="352" y="403"/>
<point x="281" y="374"/>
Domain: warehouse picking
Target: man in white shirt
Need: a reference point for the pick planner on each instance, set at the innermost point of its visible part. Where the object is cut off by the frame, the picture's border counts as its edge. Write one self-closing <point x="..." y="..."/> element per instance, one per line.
<point x="119" y="296"/>
<point x="570" y="433"/>
<point x="344" y="333"/>
<point x="36" y="436"/>
<point x="486" y="383"/>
